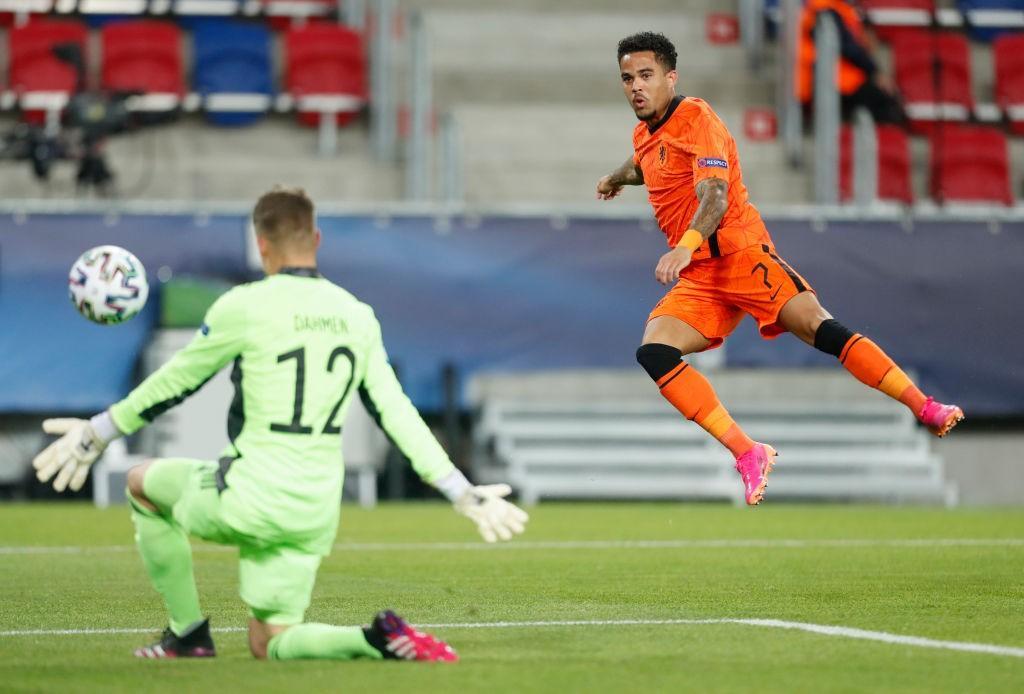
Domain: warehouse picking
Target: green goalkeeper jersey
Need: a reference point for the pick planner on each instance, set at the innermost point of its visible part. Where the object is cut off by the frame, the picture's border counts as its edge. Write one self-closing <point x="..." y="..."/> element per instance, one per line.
<point x="302" y="347"/>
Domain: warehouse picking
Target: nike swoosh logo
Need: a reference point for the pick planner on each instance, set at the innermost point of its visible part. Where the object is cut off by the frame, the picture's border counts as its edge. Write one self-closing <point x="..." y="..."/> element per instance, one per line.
<point x="772" y="297"/>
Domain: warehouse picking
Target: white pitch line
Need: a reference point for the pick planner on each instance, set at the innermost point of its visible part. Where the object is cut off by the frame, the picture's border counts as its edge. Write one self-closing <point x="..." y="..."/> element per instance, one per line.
<point x="770" y="543"/>
<point x="92" y="632"/>
<point x="98" y="549"/>
<point x="681" y="544"/>
<point x="820" y="629"/>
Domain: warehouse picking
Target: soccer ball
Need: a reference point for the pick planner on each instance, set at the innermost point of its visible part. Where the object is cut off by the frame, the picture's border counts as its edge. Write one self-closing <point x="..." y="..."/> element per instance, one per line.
<point x="108" y="285"/>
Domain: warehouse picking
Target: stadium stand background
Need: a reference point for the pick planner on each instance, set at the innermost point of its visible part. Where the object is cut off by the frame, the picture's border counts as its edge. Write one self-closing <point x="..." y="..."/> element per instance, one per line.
<point x="522" y="78"/>
<point x="540" y="117"/>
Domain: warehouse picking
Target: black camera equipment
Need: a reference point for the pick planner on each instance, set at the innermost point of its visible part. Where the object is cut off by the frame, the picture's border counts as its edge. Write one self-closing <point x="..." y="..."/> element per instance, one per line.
<point x="89" y="118"/>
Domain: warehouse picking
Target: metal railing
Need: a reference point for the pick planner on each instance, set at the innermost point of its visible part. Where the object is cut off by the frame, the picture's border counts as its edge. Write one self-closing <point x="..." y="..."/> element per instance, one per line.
<point x="826" y="114"/>
<point x="789" y="110"/>
<point x="826" y="111"/>
<point x="419" y="146"/>
<point x="450" y="160"/>
<point x="433" y="148"/>
<point x="865" y="159"/>
<point x="383" y="111"/>
<point x="752" y="32"/>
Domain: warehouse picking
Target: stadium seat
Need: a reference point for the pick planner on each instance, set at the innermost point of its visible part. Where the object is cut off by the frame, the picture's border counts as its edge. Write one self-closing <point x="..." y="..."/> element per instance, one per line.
<point x="970" y="164"/>
<point x="233" y="72"/>
<point x="1009" y="70"/>
<point x="35" y="73"/>
<point x="17" y="12"/>
<point x="934" y="77"/>
<point x="33" y="66"/>
<point x="892" y="18"/>
<point x="325" y="71"/>
<point x="893" y="164"/>
<point x="989" y="19"/>
<point x="144" y="56"/>
<point x="283" y="14"/>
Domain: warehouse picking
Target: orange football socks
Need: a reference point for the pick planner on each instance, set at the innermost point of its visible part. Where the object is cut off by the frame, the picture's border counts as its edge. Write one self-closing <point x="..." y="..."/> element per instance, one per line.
<point x="692" y="394"/>
<point x="871" y="366"/>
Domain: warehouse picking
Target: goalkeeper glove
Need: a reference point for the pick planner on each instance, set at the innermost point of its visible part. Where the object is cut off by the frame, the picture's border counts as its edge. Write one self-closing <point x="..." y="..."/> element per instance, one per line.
<point x="494" y="517"/>
<point x="484" y="505"/>
<point x="80" y="445"/>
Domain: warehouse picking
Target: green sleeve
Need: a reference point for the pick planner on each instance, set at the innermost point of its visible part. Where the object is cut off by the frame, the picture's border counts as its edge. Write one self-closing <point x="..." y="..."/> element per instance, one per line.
<point x="217" y="342"/>
<point x="387" y="403"/>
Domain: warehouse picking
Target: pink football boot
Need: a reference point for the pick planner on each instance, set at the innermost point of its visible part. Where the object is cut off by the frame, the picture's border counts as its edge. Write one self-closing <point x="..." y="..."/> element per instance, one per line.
<point x="754" y="466"/>
<point x="939" y="418"/>
<point x="397" y="639"/>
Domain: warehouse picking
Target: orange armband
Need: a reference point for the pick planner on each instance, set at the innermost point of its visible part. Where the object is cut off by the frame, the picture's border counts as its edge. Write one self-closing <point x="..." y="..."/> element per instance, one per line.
<point x="692" y="239"/>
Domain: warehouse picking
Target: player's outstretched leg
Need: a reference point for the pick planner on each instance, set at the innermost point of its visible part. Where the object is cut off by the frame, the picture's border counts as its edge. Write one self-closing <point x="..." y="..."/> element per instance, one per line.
<point x="871" y="366"/>
<point x="389" y="636"/>
<point x="692" y="394"/>
<point x="153" y="488"/>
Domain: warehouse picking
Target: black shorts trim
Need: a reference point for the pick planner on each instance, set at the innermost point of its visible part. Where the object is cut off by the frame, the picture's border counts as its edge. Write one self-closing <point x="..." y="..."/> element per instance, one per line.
<point x="223" y="465"/>
<point x="716" y="252"/>
<point x="797" y="282"/>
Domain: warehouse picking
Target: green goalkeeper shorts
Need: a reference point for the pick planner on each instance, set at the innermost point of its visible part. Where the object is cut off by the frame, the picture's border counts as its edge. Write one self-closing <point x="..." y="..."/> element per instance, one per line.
<point x="275" y="579"/>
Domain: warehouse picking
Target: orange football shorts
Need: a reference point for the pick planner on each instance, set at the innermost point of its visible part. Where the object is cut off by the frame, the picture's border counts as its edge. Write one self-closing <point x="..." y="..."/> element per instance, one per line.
<point x="713" y="294"/>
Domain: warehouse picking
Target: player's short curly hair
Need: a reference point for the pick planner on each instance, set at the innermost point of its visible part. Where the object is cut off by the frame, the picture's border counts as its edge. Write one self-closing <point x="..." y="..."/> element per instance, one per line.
<point x="663" y="49"/>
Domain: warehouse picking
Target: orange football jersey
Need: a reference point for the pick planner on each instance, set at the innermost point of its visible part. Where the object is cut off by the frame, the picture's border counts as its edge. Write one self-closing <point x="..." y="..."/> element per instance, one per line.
<point x="687" y="146"/>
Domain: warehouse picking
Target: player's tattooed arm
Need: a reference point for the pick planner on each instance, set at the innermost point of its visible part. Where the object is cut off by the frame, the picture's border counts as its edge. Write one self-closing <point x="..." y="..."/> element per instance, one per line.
<point x="629" y="174"/>
<point x="713" y="194"/>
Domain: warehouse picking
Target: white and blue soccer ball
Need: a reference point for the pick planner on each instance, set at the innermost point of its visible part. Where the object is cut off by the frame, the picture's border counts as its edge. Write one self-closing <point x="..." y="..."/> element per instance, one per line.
<point x="108" y="285"/>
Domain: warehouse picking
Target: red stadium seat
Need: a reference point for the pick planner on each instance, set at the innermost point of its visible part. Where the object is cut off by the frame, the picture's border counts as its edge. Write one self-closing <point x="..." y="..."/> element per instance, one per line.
<point x="893" y="164"/>
<point x="286" y="13"/>
<point x="33" y="67"/>
<point x="325" y="61"/>
<point x="1009" y="68"/>
<point x="892" y="18"/>
<point x="142" y="56"/>
<point x="934" y="76"/>
<point x="970" y="164"/>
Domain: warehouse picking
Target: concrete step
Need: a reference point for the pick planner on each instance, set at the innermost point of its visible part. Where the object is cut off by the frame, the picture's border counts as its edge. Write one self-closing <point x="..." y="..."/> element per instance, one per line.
<point x="538" y="432"/>
<point x="795" y="458"/>
<point x="577" y="6"/>
<point x="191" y="160"/>
<point x="508" y="56"/>
<point x="556" y="153"/>
<point x="881" y="411"/>
<point x="751" y="386"/>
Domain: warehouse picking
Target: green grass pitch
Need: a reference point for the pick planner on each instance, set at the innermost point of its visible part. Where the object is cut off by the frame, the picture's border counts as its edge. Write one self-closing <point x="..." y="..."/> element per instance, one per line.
<point x="960" y="580"/>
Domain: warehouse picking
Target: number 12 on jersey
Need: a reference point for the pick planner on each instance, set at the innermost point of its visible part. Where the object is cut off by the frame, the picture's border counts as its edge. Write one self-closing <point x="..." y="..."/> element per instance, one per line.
<point x="299" y="355"/>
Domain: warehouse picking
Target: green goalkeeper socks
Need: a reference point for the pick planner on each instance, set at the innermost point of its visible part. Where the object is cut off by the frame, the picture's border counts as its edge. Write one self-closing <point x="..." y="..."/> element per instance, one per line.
<point x="167" y="556"/>
<point x="321" y="641"/>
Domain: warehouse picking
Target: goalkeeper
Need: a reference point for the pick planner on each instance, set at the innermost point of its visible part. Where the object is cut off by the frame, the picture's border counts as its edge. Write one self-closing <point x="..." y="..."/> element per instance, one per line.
<point x="302" y="347"/>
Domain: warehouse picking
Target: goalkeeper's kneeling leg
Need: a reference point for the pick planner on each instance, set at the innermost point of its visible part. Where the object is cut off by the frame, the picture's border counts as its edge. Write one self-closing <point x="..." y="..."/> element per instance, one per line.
<point x="154" y="487"/>
<point x="158" y="484"/>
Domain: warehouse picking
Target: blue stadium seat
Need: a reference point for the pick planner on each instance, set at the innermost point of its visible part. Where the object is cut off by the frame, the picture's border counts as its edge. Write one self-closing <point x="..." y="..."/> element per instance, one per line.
<point x="988" y="19"/>
<point x="233" y="72"/>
